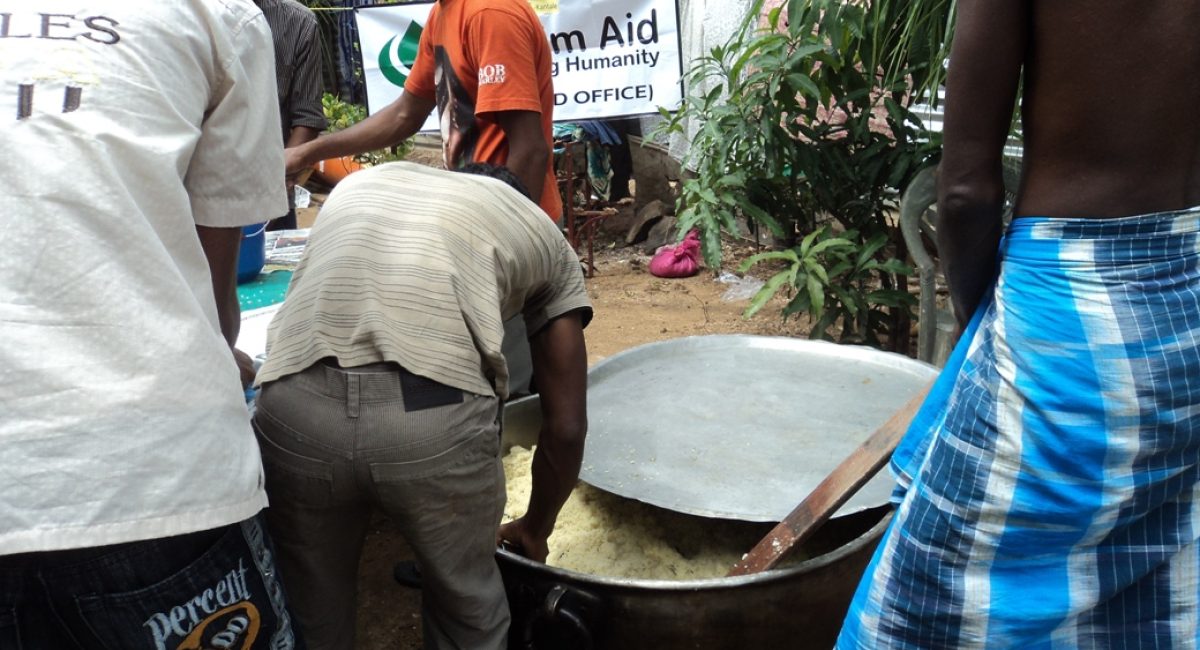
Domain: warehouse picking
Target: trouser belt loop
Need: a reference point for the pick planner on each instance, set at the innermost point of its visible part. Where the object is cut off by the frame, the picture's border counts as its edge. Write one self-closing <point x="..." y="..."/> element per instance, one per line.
<point x="353" y="392"/>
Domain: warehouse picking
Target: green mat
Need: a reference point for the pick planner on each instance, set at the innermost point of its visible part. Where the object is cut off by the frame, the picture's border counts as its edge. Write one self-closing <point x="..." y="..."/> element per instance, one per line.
<point x="265" y="290"/>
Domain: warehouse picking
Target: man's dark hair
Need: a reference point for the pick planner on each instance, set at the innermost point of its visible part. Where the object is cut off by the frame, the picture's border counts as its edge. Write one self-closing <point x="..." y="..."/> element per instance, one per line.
<point x="497" y="172"/>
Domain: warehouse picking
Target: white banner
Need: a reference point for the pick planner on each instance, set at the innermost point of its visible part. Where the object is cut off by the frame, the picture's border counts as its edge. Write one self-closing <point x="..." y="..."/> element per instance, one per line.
<point x="610" y="57"/>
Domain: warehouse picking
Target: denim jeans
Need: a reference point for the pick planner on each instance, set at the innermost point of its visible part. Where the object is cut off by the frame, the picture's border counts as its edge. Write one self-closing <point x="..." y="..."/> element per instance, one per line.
<point x="212" y="589"/>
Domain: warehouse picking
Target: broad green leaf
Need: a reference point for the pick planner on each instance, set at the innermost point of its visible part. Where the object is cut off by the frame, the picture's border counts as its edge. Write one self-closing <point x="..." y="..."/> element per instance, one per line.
<point x="787" y="256"/>
<point x="871" y="247"/>
<point x="800" y="303"/>
<point x="831" y="243"/>
<point x="821" y="329"/>
<point x="895" y="267"/>
<point x="710" y="245"/>
<point x="840" y="269"/>
<point x="816" y="291"/>
<point x="761" y="216"/>
<point x="734" y="179"/>
<point x="805" y="85"/>
<point x="814" y="267"/>
<point x="795" y="16"/>
<point x="890" y="298"/>
<point x="773" y="17"/>
<point x="770" y="287"/>
<point x="806" y="243"/>
<point x="847" y="301"/>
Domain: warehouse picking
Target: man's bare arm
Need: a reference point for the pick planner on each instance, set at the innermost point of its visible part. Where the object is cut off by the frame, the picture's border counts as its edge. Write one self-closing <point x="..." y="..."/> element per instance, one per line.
<point x="985" y="67"/>
<point x="300" y="135"/>
<point x="560" y="369"/>
<point x="221" y="246"/>
<point x="390" y="126"/>
<point x="528" y="151"/>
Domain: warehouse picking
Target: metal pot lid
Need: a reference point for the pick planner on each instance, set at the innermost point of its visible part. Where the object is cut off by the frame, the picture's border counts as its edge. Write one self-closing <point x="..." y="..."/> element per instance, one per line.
<point x="739" y="427"/>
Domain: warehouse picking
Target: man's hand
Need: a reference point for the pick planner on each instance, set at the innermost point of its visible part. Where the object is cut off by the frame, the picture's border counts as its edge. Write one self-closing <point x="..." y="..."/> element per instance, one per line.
<point x="524" y="541"/>
<point x="296" y="156"/>
<point x="560" y="370"/>
<point x="295" y="160"/>
<point x="388" y="127"/>
<point x="245" y="367"/>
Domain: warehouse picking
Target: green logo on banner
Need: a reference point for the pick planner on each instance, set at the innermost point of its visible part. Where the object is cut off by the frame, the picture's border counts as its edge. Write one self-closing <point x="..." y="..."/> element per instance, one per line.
<point x="399" y="54"/>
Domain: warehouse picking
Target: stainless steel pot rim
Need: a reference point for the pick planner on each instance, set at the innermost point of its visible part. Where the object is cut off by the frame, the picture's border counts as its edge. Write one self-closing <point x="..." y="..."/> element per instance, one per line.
<point x="767" y="342"/>
<point x="706" y="584"/>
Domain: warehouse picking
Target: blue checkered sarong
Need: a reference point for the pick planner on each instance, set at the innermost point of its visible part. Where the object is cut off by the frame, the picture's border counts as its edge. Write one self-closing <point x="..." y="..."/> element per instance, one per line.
<point x="1047" y="488"/>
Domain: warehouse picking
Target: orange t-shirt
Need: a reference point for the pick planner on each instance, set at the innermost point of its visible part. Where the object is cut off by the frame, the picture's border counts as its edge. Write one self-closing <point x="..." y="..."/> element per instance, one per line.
<point x="478" y="57"/>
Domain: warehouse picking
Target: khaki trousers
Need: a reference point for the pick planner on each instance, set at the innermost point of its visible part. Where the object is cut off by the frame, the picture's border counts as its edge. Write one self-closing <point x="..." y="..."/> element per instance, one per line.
<point x="337" y="442"/>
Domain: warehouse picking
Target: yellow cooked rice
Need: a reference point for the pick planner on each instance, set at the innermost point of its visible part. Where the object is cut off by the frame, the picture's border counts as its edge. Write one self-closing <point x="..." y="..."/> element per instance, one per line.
<point x="606" y="535"/>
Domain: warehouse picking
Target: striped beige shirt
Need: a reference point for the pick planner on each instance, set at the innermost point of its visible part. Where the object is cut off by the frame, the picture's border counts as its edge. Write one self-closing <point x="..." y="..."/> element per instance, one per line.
<point x="421" y="267"/>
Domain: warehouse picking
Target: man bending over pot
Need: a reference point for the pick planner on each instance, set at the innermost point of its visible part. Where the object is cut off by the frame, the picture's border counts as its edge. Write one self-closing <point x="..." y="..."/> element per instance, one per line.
<point x="384" y="383"/>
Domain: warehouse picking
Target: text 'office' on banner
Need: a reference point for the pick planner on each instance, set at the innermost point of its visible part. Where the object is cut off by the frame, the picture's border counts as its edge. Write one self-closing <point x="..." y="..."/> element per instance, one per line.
<point x="610" y="57"/>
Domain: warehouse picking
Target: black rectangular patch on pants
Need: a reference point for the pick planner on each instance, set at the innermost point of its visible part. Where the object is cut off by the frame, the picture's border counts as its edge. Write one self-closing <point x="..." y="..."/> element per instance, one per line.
<point x="422" y="393"/>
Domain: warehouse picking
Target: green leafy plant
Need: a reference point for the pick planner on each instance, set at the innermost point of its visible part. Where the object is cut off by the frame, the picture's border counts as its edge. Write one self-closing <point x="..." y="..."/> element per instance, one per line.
<point x="805" y="130"/>
<point x="833" y="278"/>
<point x="341" y="115"/>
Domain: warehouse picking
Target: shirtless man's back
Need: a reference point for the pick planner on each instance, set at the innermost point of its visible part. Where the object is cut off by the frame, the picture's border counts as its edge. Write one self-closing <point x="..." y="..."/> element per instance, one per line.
<point x="1110" y="104"/>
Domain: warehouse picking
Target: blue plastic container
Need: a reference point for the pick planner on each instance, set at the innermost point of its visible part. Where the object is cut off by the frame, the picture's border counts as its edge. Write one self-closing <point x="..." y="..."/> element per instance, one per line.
<point x="253" y="253"/>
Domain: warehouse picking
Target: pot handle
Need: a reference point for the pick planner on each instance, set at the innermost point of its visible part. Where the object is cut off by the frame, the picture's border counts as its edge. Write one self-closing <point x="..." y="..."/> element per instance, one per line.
<point x="553" y="610"/>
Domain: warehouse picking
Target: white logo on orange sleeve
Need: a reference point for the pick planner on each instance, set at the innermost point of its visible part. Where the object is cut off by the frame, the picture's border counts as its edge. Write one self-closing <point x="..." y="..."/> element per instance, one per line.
<point x="491" y="74"/>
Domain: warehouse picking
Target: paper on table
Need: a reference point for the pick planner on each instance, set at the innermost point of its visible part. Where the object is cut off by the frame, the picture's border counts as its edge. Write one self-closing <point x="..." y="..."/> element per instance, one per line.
<point x="286" y="247"/>
<point x="253" y="336"/>
<point x="302" y="197"/>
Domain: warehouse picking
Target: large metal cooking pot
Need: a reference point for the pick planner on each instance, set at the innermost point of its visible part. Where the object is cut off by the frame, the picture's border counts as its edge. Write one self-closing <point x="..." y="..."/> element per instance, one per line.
<point x="799" y="607"/>
<point x="769" y="417"/>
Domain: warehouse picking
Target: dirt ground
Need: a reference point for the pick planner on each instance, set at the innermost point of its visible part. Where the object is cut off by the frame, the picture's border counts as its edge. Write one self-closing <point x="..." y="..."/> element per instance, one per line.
<point x="631" y="307"/>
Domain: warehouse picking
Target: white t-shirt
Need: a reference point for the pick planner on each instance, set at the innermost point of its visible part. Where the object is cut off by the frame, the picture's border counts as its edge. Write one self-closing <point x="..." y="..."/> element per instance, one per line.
<point x="125" y="123"/>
